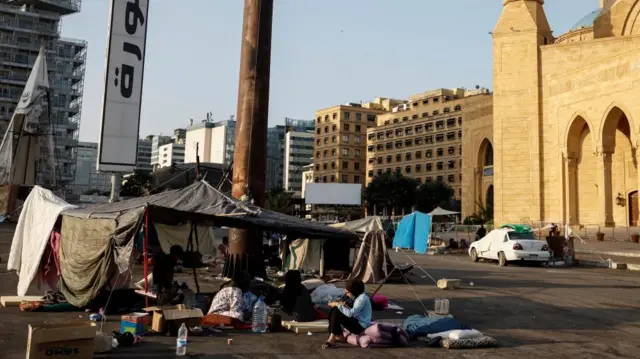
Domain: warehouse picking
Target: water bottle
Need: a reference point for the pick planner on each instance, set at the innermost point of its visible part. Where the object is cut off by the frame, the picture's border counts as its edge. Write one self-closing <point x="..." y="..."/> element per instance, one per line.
<point x="260" y="313"/>
<point x="181" y="342"/>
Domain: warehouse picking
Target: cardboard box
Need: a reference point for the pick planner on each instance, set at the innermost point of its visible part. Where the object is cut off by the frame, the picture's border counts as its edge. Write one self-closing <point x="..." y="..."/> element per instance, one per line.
<point x="165" y="315"/>
<point x="135" y="323"/>
<point x="70" y="340"/>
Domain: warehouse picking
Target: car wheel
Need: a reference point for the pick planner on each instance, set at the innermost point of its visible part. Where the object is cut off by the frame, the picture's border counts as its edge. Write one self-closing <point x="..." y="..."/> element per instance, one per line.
<point x="474" y="255"/>
<point x="502" y="259"/>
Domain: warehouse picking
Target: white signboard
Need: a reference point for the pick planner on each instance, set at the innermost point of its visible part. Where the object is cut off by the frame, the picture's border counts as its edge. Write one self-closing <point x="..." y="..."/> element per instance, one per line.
<point x="120" y="125"/>
<point x="339" y="194"/>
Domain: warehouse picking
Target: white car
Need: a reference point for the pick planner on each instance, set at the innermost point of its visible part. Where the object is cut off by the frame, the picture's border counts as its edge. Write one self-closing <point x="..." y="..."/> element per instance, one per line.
<point x="510" y="243"/>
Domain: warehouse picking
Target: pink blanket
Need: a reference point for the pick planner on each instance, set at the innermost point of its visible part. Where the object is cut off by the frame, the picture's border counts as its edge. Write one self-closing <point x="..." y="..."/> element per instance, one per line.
<point x="379" y="336"/>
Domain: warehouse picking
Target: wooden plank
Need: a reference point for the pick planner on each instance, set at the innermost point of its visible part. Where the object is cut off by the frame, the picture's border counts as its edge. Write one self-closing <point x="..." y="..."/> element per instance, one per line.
<point x="14" y="301"/>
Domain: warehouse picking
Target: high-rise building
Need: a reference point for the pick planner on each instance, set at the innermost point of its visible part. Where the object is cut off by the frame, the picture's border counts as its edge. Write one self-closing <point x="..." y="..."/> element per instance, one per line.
<point x="25" y="25"/>
<point x="143" y="161"/>
<point x="341" y="142"/>
<point x="422" y="138"/>
<point x="216" y="142"/>
<point x="275" y="154"/>
<point x="87" y="176"/>
<point x="156" y="142"/>
<point x="298" y="153"/>
<point x="170" y="153"/>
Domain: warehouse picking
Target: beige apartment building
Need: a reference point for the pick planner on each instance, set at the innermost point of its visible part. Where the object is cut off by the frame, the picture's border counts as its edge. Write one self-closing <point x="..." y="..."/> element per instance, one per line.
<point x="422" y="138"/>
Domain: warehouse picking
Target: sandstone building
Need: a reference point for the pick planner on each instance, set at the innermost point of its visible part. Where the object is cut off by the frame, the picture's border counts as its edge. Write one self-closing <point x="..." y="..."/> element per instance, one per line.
<point x="565" y="129"/>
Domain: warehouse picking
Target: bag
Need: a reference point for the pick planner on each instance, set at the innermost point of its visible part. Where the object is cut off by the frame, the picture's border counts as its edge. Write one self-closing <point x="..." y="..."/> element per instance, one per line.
<point x="192" y="258"/>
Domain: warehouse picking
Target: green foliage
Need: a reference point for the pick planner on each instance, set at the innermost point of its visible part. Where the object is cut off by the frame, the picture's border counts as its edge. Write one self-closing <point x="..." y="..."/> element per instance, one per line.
<point x="483" y="215"/>
<point x="279" y="200"/>
<point x="395" y="191"/>
<point x="136" y="185"/>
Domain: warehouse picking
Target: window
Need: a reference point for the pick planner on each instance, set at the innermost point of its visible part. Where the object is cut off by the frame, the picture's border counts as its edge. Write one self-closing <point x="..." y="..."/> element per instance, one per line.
<point x="380" y="135"/>
<point x="356" y="179"/>
<point x="326" y="140"/>
<point x="439" y="138"/>
<point x="435" y="112"/>
<point x="429" y="167"/>
<point x="380" y="160"/>
<point x="457" y="108"/>
<point x="345" y="165"/>
<point x="429" y="126"/>
<point x="333" y="165"/>
<point x="459" y="121"/>
<point x="318" y="120"/>
<point x="414" y="117"/>
<point x="399" y="132"/>
<point x="371" y="118"/>
<point x="439" y="166"/>
<point x="398" y="157"/>
<point x="317" y="179"/>
<point x="425" y="101"/>
<point x="408" y="156"/>
<point x="345" y="178"/>
<point x="324" y="154"/>
<point x="398" y="170"/>
<point x="346" y="126"/>
<point x="358" y="128"/>
<point x="398" y="144"/>
<point x="415" y="104"/>
<point x="440" y="152"/>
<point x="334" y="115"/>
<point x="389" y="159"/>
<point x="452" y="164"/>
<point x="318" y="154"/>
<point x="446" y="110"/>
<point x="379" y="171"/>
<point x="408" y="143"/>
<point x="389" y="134"/>
<point x="429" y="154"/>
<point x="418" y="155"/>
<point x="318" y="131"/>
<point x="333" y="139"/>
<point x="324" y="166"/>
<point x="451" y="136"/>
<point x="380" y="147"/>
<point x="408" y="131"/>
<point x="440" y="179"/>
<point x="419" y="129"/>
<point x="425" y="114"/>
<point x="452" y="178"/>
<point x="371" y="136"/>
<point x="324" y="179"/>
<point x="372" y="160"/>
<point x="334" y="128"/>
<point x="395" y="120"/>
<point x="333" y="178"/>
<point x="439" y="125"/>
<point x="386" y="122"/>
<point x="345" y="152"/>
<point x="345" y="138"/>
<point x="347" y="115"/>
<point x="451" y="122"/>
<point x="407" y="169"/>
<point x="388" y="170"/>
<point x="370" y="174"/>
<point x="371" y="148"/>
<point x="357" y="153"/>
<point x="418" y="141"/>
<point x="333" y="152"/>
<point x="428" y="139"/>
<point x="435" y="99"/>
<point x="428" y="179"/>
<point x="358" y="116"/>
<point x="451" y="150"/>
<point x="389" y="145"/>
<point x="326" y="129"/>
<point x="405" y="118"/>
<point x="317" y="167"/>
<point x="460" y="134"/>
<point x="418" y="167"/>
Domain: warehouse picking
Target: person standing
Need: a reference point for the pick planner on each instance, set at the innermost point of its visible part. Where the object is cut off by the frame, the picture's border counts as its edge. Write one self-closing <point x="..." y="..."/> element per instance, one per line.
<point x="481" y="232"/>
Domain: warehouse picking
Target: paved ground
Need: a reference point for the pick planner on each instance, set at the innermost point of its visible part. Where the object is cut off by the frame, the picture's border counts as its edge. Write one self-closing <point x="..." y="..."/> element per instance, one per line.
<point x="534" y="312"/>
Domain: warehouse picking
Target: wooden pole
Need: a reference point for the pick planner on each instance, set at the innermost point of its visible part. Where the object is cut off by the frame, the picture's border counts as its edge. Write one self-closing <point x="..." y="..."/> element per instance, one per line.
<point x="250" y="157"/>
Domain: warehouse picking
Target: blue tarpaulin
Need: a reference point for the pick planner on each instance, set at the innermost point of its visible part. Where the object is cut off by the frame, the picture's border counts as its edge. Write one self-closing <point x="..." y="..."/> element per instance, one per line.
<point x="413" y="232"/>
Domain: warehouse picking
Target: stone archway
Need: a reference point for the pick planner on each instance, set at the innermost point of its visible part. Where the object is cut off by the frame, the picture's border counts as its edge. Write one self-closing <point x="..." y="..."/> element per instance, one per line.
<point x="484" y="179"/>
<point x="581" y="177"/>
<point x="617" y="169"/>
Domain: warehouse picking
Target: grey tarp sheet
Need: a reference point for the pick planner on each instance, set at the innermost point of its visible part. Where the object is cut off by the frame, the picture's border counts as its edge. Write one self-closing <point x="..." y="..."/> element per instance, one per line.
<point x="372" y="263"/>
<point x="363" y="225"/>
<point x="92" y="235"/>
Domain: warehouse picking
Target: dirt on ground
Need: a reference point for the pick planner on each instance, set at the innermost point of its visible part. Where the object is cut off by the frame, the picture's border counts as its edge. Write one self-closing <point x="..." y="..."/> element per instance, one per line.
<point x="534" y="312"/>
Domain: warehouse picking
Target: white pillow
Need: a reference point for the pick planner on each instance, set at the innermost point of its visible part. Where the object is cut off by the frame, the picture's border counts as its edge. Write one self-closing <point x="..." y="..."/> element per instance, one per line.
<point x="443" y="335"/>
<point x="464" y="334"/>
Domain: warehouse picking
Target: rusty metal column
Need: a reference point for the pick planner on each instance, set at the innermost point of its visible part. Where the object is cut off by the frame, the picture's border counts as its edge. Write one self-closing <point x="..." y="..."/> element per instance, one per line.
<point x="250" y="157"/>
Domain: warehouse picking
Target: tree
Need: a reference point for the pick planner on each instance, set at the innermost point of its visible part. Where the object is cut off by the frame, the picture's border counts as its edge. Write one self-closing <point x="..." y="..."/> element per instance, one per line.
<point x="391" y="190"/>
<point x="483" y="215"/>
<point x="136" y="185"/>
<point x="433" y="194"/>
<point x="279" y="200"/>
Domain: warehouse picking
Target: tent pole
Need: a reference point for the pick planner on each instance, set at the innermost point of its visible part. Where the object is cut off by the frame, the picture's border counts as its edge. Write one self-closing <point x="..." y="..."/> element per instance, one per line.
<point x="145" y="249"/>
<point x="195" y="275"/>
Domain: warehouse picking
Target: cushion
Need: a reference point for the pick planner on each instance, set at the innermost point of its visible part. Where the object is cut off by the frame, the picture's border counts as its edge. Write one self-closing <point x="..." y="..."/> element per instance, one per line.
<point x="480" y="342"/>
<point x="464" y="334"/>
<point x="380" y="300"/>
<point x="379" y="336"/>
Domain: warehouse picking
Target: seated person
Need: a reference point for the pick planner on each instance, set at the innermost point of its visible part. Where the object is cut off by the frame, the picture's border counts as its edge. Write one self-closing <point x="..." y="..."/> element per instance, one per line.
<point x="295" y="300"/>
<point x="355" y="319"/>
<point x="163" y="271"/>
<point x="452" y="244"/>
<point x="464" y="244"/>
<point x="235" y="300"/>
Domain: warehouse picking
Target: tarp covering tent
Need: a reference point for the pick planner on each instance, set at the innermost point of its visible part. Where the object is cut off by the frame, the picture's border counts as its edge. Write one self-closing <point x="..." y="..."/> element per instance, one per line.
<point x="363" y="225"/>
<point x="442" y="212"/>
<point x="372" y="263"/>
<point x="96" y="241"/>
<point x="413" y="232"/>
<point x="31" y="236"/>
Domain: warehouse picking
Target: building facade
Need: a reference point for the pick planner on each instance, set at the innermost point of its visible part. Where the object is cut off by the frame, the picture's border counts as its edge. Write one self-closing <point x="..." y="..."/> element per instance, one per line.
<point x="215" y="140"/>
<point x="156" y="142"/>
<point x="143" y="161"/>
<point x="298" y="153"/>
<point x="87" y="177"/>
<point x="25" y="25"/>
<point x="170" y="154"/>
<point x="340" y="140"/>
<point x="275" y="157"/>
<point x="573" y="101"/>
<point x="422" y="138"/>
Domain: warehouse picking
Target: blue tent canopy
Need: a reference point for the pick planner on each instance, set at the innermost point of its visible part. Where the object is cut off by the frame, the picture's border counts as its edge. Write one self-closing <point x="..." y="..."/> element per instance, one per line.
<point x="413" y="232"/>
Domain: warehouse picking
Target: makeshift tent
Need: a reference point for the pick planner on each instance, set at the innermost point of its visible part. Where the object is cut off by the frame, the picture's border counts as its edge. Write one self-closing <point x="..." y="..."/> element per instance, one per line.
<point x="442" y="212"/>
<point x="305" y="254"/>
<point x="372" y="263"/>
<point x="96" y="241"/>
<point x="413" y="232"/>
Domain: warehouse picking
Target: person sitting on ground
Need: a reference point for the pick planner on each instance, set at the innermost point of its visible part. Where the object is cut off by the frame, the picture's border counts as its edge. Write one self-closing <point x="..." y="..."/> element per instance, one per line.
<point x="295" y="300"/>
<point x="453" y="244"/>
<point x="355" y="320"/>
<point x="464" y="244"/>
<point x="163" y="272"/>
<point x="235" y="300"/>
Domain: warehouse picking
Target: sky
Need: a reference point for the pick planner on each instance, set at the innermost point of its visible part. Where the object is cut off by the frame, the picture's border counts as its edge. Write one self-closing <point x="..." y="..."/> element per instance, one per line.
<point x="324" y="53"/>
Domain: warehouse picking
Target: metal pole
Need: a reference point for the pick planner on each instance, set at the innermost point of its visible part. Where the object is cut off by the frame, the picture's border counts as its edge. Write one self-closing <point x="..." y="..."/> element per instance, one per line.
<point x="116" y="181"/>
<point x="250" y="157"/>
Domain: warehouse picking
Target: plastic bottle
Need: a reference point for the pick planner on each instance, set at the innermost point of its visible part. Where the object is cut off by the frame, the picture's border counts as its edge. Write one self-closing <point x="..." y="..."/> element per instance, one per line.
<point x="181" y="342"/>
<point x="260" y="313"/>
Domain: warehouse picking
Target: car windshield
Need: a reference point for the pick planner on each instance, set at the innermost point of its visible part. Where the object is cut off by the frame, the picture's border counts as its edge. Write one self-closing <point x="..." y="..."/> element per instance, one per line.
<point x="521" y="235"/>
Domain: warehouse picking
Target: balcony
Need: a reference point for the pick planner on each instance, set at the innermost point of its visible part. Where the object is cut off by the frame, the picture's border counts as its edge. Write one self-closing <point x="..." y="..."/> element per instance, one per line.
<point x="62" y="7"/>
